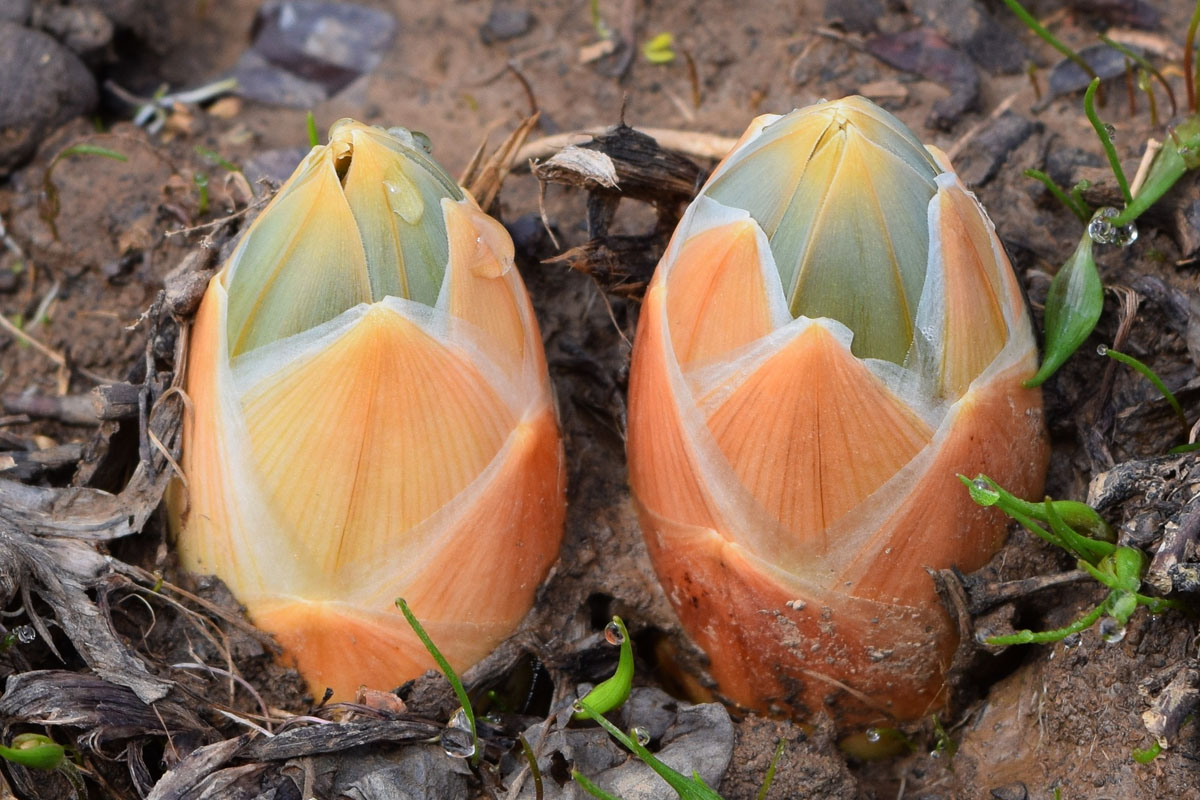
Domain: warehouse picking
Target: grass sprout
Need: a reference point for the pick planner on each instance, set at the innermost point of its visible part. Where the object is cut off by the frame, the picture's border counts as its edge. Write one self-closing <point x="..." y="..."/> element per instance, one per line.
<point x="447" y="670"/>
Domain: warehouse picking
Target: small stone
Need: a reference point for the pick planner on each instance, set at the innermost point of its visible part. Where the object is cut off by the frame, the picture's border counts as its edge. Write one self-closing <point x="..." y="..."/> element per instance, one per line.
<point x="16" y="11"/>
<point x="1011" y="791"/>
<point x="506" y="23"/>
<point x="860" y="16"/>
<point x="84" y="30"/>
<point x="44" y="86"/>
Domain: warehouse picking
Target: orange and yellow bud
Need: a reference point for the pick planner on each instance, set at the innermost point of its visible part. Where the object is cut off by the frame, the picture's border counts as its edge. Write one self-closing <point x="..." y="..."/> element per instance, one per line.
<point x="372" y="418"/>
<point x="832" y="336"/>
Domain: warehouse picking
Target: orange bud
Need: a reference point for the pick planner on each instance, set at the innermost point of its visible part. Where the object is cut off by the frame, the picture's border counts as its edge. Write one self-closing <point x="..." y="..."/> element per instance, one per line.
<point x="832" y="336"/>
<point x="372" y="419"/>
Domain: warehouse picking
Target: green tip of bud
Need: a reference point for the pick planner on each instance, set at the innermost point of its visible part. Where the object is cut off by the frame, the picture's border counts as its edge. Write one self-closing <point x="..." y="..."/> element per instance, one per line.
<point x="358" y="221"/>
<point x="842" y="191"/>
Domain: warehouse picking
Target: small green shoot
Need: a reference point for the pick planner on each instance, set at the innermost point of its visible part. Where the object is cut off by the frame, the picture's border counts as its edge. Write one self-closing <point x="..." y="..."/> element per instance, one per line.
<point x="611" y="694"/>
<point x="692" y="788"/>
<point x="1119" y="568"/>
<point x="212" y="156"/>
<point x="769" y="778"/>
<point x="1049" y="38"/>
<point x="35" y="751"/>
<point x="944" y="747"/>
<point x="660" y="49"/>
<point x="1073" y="307"/>
<point x="1148" y="754"/>
<point x="310" y="123"/>
<point x="447" y="670"/>
<point x="1105" y="137"/>
<point x="1079" y="516"/>
<point x="591" y="788"/>
<point x="201" y="181"/>
<point x="1189" y="49"/>
<point x="533" y="766"/>
<point x="1147" y="68"/>
<point x="1149" y="375"/>
<point x="1074" y="203"/>
<point x="50" y="203"/>
<point x="598" y="23"/>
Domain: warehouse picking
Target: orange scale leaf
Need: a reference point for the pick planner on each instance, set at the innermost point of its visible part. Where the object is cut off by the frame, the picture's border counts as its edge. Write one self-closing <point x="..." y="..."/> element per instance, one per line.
<point x="717" y="300"/>
<point x="362" y="441"/>
<point x="812" y="432"/>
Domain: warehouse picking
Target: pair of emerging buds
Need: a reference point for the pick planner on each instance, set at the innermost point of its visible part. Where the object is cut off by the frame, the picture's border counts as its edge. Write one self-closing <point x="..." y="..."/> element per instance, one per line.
<point x="833" y="334"/>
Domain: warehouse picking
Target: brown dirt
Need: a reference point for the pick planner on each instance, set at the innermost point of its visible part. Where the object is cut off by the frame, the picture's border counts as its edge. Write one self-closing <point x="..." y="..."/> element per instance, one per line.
<point x="1043" y="717"/>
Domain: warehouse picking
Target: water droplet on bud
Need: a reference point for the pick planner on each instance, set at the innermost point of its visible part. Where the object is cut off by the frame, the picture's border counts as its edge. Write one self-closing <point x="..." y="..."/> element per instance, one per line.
<point x="873" y="735"/>
<point x="403" y="196"/>
<point x="457" y="740"/>
<point x="982" y="636"/>
<point x="613" y="635"/>
<point x="1102" y="349"/>
<point x="1110" y="130"/>
<point x="641" y="735"/>
<point x="25" y="633"/>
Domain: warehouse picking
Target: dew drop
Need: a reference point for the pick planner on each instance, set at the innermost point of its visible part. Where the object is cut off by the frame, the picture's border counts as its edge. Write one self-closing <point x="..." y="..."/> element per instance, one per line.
<point x="873" y="735"/>
<point x="1103" y="231"/>
<point x="1110" y="130"/>
<point x="935" y="754"/>
<point x="1102" y="349"/>
<point x="1111" y="631"/>
<point x="613" y="635"/>
<point x="577" y="706"/>
<point x="403" y="196"/>
<point x="982" y="636"/>
<point x="25" y="633"/>
<point x="456" y="736"/>
<point x="641" y="735"/>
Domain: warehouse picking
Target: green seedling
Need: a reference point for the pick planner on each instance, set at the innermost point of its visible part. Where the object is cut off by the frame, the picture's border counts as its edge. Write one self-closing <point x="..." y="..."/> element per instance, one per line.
<point x="310" y="124"/>
<point x="944" y="747"/>
<point x="201" y="181"/>
<point x="35" y="751"/>
<point x="1148" y="754"/>
<point x="769" y="778"/>
<point x="660" y="49"/>
<point x="214" y="157"/>
<point x="611" y="694"/>
<point x="1146" y="69"/>
<point x="1119" y="568"/>
<point x="448" y="671"/>
<point x="531" y="759"/>
<point x="1073" y="307"/>
<point x="1048" y="37"/>
<point x="50" y="203"/>
<point x="1076" y="296"/>
<point x="693" y="788"/>
<point x="1073" y="202"/>
<point x="1149" y="375"/>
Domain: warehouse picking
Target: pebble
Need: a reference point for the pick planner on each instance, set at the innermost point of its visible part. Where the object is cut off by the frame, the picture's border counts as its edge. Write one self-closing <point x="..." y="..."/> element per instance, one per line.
<point x="44" y="86"/>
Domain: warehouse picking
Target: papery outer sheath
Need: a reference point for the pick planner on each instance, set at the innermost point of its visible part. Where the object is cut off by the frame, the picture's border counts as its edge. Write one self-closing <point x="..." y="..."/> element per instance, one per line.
<point x="394" y="449"/>
<point x="792" y="495"/>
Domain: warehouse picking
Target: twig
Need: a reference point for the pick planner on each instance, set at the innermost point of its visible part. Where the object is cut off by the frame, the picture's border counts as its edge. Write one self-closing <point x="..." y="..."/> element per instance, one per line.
<point x="689" y="143"/>
<point x="1174" y="544"/>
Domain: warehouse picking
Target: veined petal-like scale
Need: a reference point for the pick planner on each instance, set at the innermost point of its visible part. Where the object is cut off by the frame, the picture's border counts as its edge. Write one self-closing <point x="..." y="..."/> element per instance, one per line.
<point x="372" y="419"/>
<point x="832" y="336"/>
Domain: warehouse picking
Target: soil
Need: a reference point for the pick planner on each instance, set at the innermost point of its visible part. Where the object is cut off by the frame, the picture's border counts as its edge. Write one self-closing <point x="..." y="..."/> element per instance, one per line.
<point x="1026" y="721"/>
